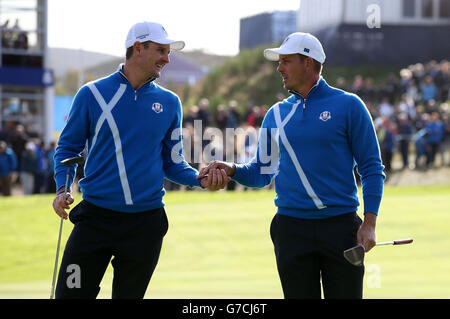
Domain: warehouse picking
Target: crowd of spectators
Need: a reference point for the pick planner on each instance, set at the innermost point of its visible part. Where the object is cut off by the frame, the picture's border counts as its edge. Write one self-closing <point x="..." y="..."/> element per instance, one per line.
<point x="13" y="37"/>
<point x="410" y="114"/>
<point x="25" y="162"/>
<point x="15" y="45"/>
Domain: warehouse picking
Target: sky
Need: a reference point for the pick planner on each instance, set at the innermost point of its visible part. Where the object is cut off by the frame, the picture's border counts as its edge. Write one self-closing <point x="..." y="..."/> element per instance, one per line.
<point x="102" y="25"/>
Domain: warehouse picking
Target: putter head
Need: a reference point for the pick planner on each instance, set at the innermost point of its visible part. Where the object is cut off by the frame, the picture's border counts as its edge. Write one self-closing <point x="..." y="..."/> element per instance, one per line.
<point x="72" y="160"/>
<point x="355" y="255"/>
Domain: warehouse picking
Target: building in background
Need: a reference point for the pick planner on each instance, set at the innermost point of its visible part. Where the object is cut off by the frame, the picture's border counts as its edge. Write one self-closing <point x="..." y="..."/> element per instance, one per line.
<point x="397" y="32"/>
<point x="266" y="28"/>
<point x="26" y="82"/>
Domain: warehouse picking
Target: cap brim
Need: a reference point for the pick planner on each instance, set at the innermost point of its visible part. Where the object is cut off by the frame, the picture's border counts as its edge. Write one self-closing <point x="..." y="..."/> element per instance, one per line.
<point x="174" y="45"/>
<point x="177" y="45"/>
<point x="273" y="54"/>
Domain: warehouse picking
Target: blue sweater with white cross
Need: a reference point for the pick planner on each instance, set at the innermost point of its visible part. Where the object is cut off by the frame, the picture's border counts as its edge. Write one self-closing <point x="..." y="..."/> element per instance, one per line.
<point x="311" y="147"/>
<point x="133" y="139"/>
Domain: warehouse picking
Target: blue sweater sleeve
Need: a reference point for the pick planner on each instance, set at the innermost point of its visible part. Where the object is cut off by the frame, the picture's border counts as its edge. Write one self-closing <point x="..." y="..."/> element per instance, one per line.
<point x="73" y="137"/>
<point x="262" y="168"/>
<point x="175" y="166"/>
<point x="366" y="152"/>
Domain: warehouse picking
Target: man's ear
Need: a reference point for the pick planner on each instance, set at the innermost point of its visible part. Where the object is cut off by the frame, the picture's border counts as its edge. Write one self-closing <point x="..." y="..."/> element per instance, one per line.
<point x="137" y="48"/>
<point x="309" y="63"/>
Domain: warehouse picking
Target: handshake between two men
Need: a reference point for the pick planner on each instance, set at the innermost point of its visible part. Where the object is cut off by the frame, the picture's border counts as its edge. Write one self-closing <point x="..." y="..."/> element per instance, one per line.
<point x="216" y="175"/>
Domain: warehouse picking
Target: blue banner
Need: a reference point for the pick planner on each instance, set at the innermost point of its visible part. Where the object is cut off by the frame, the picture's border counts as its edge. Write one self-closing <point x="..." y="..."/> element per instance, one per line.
<point x="61" y="108"/>
<point x="26" y="76"/>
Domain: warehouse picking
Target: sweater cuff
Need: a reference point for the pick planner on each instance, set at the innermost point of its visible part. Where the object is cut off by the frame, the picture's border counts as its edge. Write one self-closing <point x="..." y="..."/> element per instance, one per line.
<point x="372" y="204"/>
<point x="238" y="174"/>
<point x="198" y="183"/>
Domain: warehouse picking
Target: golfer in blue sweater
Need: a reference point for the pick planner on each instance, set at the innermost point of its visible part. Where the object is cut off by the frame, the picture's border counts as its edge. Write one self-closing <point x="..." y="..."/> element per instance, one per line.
<point x="131" y="127"/>
<point x="310" y="143"/>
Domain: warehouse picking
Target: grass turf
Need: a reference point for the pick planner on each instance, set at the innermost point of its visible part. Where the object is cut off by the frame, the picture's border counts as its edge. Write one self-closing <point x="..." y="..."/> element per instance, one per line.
<point x="218" y="246"/>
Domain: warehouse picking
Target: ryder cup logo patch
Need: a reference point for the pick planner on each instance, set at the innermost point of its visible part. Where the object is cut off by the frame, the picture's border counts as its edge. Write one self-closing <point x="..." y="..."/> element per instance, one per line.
<point x="157" y="107"/>
<point x="325" y="116"/>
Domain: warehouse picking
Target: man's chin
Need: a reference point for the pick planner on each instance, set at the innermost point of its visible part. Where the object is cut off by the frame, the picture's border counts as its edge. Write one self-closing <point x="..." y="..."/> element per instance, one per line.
<point x="156" y="74"/>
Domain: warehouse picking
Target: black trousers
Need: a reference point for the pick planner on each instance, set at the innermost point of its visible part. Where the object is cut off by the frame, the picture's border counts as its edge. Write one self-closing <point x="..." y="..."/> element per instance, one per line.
<point x="133" y="239"/>
<point x="309" y="251"/>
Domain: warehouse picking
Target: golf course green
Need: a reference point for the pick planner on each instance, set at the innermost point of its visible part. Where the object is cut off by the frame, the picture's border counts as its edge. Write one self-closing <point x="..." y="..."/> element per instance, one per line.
<point x="218" y="246"/>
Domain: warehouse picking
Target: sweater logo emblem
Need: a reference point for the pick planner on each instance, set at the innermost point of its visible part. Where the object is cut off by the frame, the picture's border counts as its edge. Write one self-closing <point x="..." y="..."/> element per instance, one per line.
<point x="325" y="116"/>
<point x="157" y="107"/>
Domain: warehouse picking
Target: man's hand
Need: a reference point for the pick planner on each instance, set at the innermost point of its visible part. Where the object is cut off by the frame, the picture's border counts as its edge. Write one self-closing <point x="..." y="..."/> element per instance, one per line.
<point x="366" y="232"/>
<point x="229" y="168"/>
<point x="61" y="203"/>
<point x="216" y="179"/>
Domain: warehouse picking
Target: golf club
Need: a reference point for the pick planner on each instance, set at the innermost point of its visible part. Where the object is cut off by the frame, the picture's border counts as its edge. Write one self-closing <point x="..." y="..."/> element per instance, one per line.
<point x="67" y="162"/>
<point x="355" y="255"/>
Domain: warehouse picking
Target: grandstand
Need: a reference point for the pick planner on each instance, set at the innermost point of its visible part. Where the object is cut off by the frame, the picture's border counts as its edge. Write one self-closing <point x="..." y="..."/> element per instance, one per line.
<point x="26" y="82"/>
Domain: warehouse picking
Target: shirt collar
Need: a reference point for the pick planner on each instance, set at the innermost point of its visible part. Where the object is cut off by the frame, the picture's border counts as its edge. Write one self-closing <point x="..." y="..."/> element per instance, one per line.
<point x="314" y="88"/>
<point x="122" y="73"/>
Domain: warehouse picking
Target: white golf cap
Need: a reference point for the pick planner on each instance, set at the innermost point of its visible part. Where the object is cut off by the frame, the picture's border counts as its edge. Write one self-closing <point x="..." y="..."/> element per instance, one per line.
<point x="298" y="42"/>
<point x="151" y="31"/>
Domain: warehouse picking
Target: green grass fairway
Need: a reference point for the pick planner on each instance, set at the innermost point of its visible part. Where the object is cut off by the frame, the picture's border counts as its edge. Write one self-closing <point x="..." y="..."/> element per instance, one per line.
<point x="218" y="246"/>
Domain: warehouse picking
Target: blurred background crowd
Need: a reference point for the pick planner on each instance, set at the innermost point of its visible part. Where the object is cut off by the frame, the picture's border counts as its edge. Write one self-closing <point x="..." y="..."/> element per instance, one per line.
<point x="410" y="112"/>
